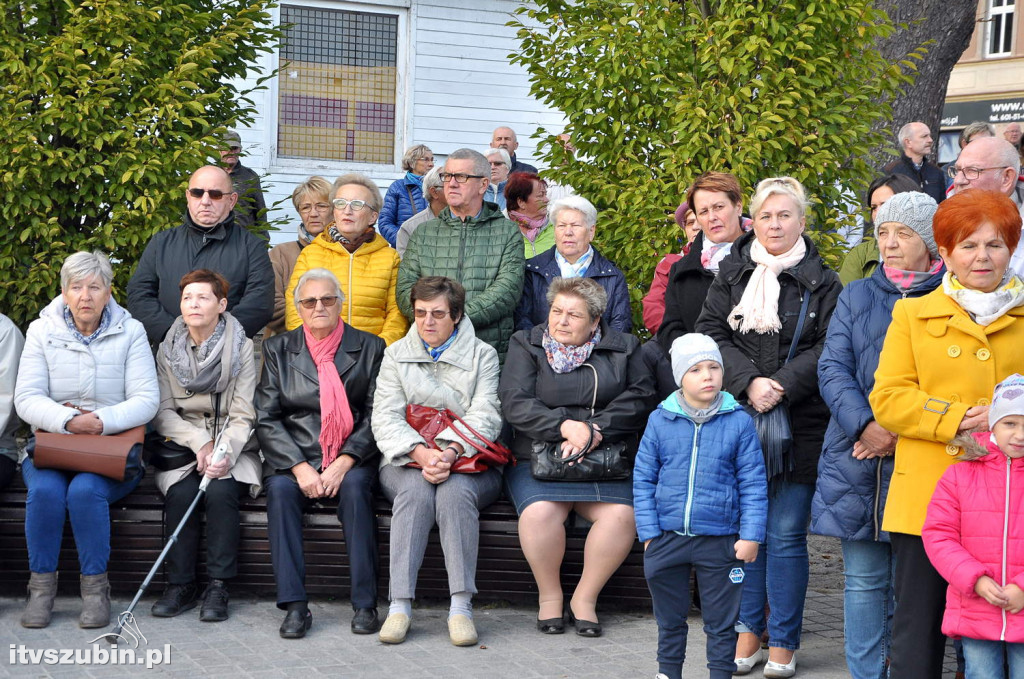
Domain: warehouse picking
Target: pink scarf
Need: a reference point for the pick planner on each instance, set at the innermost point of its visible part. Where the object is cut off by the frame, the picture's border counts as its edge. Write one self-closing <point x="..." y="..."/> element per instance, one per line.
<point x="528" y="225"/>
<point x="335" y="414"/>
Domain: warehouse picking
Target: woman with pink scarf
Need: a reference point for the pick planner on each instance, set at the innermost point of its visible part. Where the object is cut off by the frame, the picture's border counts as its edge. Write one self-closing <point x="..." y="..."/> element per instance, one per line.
<point x="769" y="310"/>
<point x="526" y="202"/>
<point x="313" y="404"/>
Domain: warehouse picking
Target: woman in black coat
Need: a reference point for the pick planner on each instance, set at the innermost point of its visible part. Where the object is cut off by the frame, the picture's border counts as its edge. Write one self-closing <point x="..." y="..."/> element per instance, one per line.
<point x="304" y="461"/>
<point x="559" y="376"/>
<point x="752" y="310"/>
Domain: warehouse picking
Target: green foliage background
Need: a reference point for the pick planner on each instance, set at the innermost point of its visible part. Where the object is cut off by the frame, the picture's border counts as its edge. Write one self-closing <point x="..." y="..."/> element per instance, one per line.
<point x="106" y="107"/>
<point x="656" y="92"/>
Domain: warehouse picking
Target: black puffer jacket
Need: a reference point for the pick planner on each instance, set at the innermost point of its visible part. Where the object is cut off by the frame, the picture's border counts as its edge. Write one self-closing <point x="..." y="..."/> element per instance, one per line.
<point x="688" y="285"/>
<point x="750" y="355"/>
<point x="288" y="399"/>
<point x="535" y="400"/>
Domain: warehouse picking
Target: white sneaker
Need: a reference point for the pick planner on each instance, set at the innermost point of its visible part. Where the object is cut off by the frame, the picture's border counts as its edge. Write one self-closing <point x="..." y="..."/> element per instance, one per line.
<point x="777" y="670"/>
<point x="660" y="675"/>
<point x="746" y="665"/>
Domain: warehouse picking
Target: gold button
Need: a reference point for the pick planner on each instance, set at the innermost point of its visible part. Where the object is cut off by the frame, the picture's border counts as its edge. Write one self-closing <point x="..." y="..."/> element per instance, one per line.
<point x="952" y="450"/>
<point x="983" y="354"/>
<point x="953" y="351"/>
<point x="984" y="402"/>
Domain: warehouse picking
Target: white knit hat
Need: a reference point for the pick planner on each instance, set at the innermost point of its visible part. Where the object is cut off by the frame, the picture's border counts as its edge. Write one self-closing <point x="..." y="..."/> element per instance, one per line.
<point x="1008" y="399"/>
<point x="690" y="349"/>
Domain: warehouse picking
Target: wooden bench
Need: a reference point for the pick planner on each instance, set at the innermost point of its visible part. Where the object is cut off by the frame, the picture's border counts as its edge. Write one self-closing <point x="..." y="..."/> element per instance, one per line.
<point x="137" y="538"/>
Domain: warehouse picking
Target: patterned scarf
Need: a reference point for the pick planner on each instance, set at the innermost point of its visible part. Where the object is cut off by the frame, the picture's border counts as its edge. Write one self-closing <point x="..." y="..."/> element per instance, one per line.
<point x="355" y="243"/>
<point x="909" y="281"/>
<point x="436" y="353"/>
<point x="570" y="270"/>
<point x="564" y="358"/>
<point x="336" y="421"/>
<point x="984" y="307"/>
<point x="209" y="368"/>
<point x="712" y="254"/>
<point x="758" y="310"/>
<point x="530" y="227"/>
<point x="70" y="320"/>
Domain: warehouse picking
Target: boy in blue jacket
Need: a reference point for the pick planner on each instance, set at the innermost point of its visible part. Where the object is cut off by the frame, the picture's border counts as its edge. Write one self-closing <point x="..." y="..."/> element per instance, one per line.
<point x="701" y="502"/>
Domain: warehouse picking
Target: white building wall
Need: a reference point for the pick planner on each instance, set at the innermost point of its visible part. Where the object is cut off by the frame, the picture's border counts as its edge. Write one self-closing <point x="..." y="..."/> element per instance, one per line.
<point x="455" y="86"/>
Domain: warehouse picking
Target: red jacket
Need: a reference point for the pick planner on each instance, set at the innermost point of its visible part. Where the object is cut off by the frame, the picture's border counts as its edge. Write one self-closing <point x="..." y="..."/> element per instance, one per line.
<point x="975" y="527"/>
<point x="654" y="300"/>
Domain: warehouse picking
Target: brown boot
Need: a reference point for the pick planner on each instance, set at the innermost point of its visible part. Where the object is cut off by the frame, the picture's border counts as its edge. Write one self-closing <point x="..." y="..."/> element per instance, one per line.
<point x="95" y="601"/>
<point x="42" y="587"/>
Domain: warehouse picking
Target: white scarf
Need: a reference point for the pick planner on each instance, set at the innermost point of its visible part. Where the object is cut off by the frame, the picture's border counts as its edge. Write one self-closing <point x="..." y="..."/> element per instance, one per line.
<point x="984" y="307"/>
<point x="758" y="310"/>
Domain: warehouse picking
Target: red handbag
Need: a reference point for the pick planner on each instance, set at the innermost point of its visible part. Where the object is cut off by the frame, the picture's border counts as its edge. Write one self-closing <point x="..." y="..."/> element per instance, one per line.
<point x="430" y="422"/>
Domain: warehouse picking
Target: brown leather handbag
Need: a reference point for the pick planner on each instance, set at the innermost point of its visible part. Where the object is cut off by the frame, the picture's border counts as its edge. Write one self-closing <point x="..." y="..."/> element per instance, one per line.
<point x="430" y="422"/>
<point x="118" y="457"/>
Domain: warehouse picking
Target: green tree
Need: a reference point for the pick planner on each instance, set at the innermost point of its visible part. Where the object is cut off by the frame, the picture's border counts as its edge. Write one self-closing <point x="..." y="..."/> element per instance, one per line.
<point x="106" y="107"/>
<point x="655" y="92"/>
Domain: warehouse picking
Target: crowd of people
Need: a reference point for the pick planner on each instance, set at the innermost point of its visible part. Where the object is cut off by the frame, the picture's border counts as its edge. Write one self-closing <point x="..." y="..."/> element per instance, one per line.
<point x="461" y="338"/>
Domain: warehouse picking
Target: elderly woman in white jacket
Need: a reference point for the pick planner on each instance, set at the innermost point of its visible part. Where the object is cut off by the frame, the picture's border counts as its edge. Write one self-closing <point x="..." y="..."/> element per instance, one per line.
<point x="441" y="364"/>
<point x="86" y="369"/>
<point x="207" y="382"/>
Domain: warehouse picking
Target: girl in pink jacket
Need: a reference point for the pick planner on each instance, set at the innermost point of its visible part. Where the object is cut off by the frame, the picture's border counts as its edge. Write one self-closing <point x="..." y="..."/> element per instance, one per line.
<point x="974" y="536"/>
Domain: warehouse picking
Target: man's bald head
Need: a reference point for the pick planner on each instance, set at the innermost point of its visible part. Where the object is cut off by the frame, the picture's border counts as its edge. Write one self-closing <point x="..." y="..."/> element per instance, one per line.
<point x="205" y="209"/>
<point x="915" y="140"/>
<point x="505" y="138"/>
<point x="995" y="162"/>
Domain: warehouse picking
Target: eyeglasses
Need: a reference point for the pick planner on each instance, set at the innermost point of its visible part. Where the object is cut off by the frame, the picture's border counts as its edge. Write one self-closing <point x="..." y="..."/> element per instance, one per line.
<point x="429" y="159"/>
<point x="971" y="173"/>
<point x="319" y="207"/>
<point x="310" y="302"/>
<point x="215" y="194"/>
<point x="356" y="205"/>
<point x="460" y="178"/>
<point x="436" y="314"/>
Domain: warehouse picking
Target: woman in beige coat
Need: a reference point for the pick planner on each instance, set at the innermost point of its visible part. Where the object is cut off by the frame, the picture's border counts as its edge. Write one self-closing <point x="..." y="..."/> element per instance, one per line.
<point x="207" y="381"/>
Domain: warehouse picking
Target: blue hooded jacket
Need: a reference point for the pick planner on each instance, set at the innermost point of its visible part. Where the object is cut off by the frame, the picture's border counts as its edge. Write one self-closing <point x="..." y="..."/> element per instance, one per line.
<point x="700" y="479"/>
<point x="398" y="207"/>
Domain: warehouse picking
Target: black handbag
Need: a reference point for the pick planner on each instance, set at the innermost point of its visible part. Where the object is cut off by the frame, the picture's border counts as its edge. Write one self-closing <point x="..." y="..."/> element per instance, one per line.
<point x="166" y="455"/>
<point x="774" y="428"/>
<point x="606" y="462"/>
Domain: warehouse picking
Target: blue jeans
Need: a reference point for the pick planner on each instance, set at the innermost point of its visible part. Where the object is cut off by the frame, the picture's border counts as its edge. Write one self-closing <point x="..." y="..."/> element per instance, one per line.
<point x="779" y="575"/>
<point x="867" y="606"/>
<point x="52" y="495"/>
<point x="986" y="659"/>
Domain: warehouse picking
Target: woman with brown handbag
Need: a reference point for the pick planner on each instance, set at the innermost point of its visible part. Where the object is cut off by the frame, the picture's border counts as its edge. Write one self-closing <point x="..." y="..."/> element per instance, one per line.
<point x="86" y="369"/>
<point x="440" y="365"/>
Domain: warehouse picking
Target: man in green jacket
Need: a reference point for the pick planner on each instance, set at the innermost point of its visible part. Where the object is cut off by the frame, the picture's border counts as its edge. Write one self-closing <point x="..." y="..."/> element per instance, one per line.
<point x="473" y="243"/>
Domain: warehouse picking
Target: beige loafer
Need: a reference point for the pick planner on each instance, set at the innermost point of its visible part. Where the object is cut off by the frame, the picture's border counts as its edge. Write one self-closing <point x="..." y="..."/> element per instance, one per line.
<point x="461" y="630"/>
<point x="395" y="628"/>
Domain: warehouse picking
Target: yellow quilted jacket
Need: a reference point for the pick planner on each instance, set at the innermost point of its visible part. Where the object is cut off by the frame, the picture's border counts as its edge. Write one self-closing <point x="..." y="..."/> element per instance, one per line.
<point x="935" y="364"/>
<point x="368" y="278"/>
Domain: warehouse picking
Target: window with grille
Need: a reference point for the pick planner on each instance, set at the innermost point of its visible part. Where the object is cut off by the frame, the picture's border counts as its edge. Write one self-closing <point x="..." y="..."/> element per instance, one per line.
<point x="999" y="29"/>
<point x="338" y="82"/>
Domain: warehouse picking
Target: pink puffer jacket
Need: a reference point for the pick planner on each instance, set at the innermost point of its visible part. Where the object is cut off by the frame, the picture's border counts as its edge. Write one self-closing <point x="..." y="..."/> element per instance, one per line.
<point x="975" y="527"/>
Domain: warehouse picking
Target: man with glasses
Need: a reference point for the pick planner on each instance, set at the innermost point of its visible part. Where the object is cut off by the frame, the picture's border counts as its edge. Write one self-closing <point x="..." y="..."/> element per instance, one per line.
<point x="251" y="208"/>
<point x="915" y="140"/>
<point x="473" y="243"/>
<point x="991" y="164"/>
<point x="501" y="166"/>
<point x="211" y="239"/>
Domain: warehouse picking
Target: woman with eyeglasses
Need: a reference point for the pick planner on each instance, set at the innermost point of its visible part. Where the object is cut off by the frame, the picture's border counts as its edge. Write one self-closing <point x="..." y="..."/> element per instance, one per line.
<point x="405" y="196"/>
<point x="312" y="201"/>
<point x="364" y="263"/>
<point x="439" y="364"/>
<point x="313" y="424"/>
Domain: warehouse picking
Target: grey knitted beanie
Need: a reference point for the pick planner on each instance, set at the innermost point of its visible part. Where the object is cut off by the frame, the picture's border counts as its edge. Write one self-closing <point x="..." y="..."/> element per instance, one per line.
<point x="915" y="210"/>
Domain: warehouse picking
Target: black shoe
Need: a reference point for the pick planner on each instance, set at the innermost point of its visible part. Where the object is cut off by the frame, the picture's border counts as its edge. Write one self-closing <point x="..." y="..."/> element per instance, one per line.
<point x="585" y="628"/>
<point x="215" y="602"/>
<point x="296" y="624"/>
<point x="176" y="600"/>
<point x="365" y="621"/>
<point x="551" y="626"/>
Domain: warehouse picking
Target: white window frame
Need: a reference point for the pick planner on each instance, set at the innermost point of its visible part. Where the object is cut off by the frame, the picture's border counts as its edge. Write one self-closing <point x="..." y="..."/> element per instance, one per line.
<point x="403" y="99"/>
<point x="1006" y="10"/>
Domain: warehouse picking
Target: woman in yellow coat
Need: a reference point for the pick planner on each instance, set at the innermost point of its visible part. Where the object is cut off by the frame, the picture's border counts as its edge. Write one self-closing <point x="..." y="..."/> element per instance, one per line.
<point x="361" y="258"/>
<point x="944" y="353"/>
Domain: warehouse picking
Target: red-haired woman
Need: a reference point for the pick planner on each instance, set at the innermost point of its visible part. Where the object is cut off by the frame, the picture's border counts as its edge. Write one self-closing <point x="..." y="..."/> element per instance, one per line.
<point x="526" y="199"/>
<point x="943" y="356"/>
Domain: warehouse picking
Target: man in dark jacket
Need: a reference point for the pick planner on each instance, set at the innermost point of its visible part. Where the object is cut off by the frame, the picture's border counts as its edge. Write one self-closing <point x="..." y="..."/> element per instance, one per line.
<point x="505" y="138"/>
<point x="916" y="143"/>
<point x="252" y="207"/>
<point x="209" y="238"/>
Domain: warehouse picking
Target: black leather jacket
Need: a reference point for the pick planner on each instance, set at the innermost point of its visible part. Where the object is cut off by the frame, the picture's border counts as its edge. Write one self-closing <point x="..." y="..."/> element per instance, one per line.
<point x="288" y="399"/>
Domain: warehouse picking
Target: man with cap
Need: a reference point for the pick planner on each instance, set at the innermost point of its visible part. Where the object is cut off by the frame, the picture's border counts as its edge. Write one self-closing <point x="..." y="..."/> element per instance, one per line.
<point x="251" y="209"/>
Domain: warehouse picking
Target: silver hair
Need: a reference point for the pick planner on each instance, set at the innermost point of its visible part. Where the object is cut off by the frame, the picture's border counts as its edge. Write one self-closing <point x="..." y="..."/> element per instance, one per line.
<point x="505" y="158"/>
<point x="376" y="200"/>
<point x="577" y="203"/>
<point x="414" y="153"/>
<point x="481" y="165"/>
<point x="904" y="134"/>
<point x="432" y="179"/>
<point x="587" y="289"/>
<point x="83" y="265"/>
<point x="313" y="186"/>
<point x="972" y="132"/>
<point x="786" y="186"/>
<point x="316" y="275"/>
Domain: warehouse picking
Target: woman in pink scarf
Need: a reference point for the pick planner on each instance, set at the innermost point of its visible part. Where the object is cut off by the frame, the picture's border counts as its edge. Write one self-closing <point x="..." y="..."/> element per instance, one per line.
<point x="526" y="201"/>
<point x="313" y="404"/>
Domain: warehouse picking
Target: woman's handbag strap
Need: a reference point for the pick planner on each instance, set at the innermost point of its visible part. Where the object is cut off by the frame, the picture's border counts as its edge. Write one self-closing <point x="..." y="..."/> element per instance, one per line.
<point x="806" y="294"/>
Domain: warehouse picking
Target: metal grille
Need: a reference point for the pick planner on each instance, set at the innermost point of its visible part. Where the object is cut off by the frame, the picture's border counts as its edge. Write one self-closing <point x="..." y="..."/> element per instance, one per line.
<point x="338" y="85"/>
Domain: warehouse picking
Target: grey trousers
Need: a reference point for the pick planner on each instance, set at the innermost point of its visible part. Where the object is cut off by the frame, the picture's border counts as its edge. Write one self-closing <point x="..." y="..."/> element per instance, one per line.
<point x="454" y="506"/>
